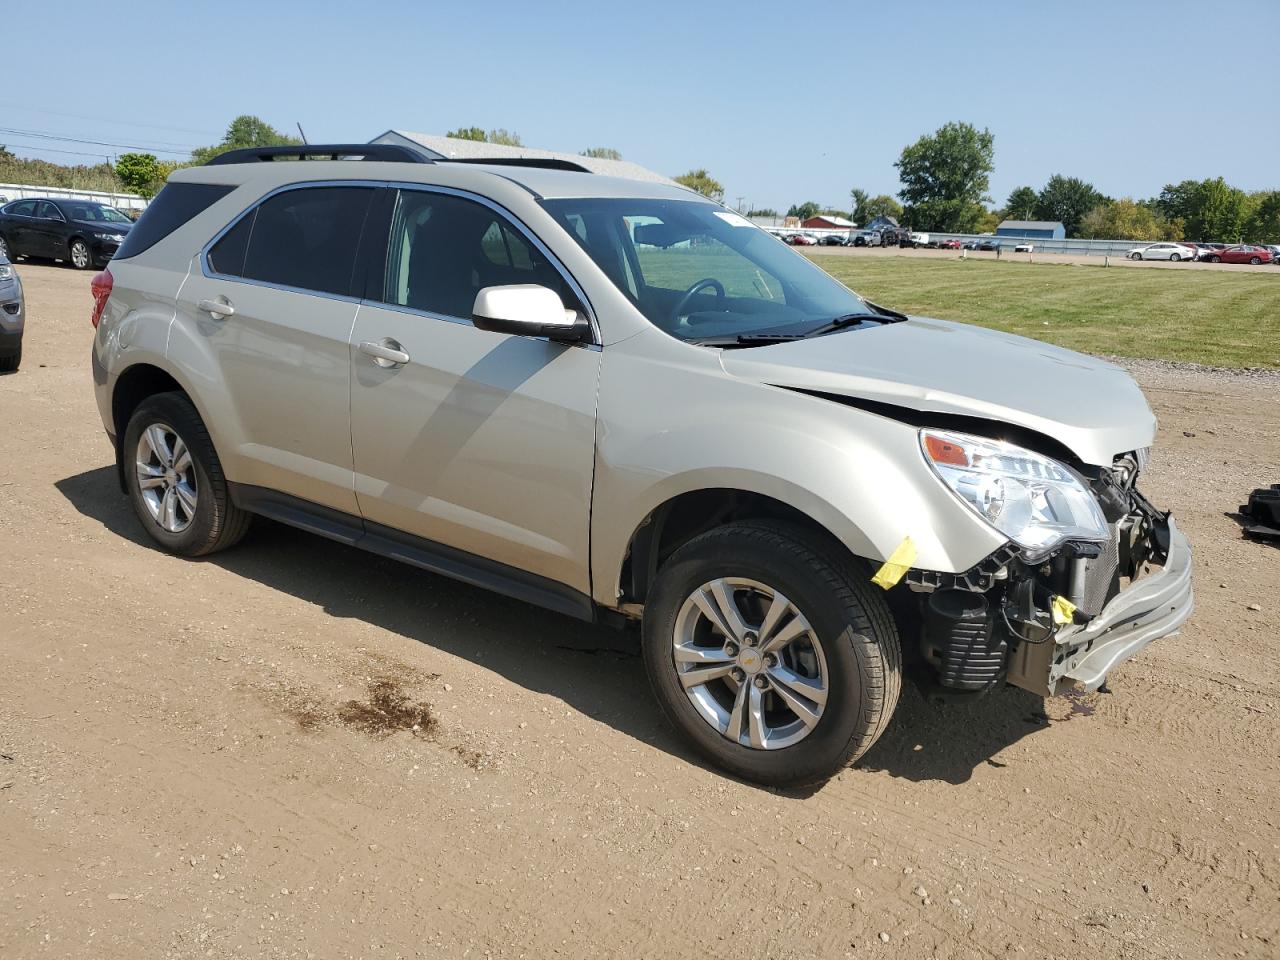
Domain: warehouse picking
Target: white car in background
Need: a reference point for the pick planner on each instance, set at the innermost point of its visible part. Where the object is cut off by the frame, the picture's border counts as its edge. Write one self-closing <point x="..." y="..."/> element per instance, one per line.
<point x="1163" y="251"/>
<point x="1026" y="246"/>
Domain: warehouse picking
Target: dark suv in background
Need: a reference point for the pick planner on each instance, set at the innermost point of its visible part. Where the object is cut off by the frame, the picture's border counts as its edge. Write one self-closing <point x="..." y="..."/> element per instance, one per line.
<point x="81" y="232"/>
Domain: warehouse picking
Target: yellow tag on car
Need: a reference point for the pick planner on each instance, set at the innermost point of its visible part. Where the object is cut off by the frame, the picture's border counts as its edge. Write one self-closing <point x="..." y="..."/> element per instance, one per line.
<point x="1063" y="611"/>
<point x="896" y="567"/>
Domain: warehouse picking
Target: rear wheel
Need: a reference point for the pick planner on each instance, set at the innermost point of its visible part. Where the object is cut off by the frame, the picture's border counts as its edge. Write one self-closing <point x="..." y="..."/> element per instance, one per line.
<point x="769" y="650"/>
<point x="1255" y="260"/>
<point x="1215" y="259"/>
<point x="175" y="479"/>
<point x="81" y="259"/>
<point x="1174" y="257"/>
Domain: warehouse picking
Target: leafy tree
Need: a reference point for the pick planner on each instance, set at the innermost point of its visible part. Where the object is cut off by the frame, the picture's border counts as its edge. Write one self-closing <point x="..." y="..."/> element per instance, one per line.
<point x="765" y="212"/>
<point x="703" y="183"/>
<point x="1067" y="199"/>
<point x="989" y="220"/>
<point x="945" y="176"/>
<point x="1127" y="220"/>
<point x="6" y="153"/>
<point x="140" y="173"/>
<point x="881" y="206"/>
<point x="602" y="153"/>
<point x="805" y="210"/>
<point x="244" y="131"/>
<point x="1263" y="225"/>
<point x="467" y="133"/>
<point x="508" y="138"/>
<point x="1021" y="204"/>
<point x="859" y="198"/>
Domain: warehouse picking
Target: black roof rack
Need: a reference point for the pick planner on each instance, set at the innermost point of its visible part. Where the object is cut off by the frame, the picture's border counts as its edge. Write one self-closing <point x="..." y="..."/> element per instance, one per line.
<point x="391" y="152"/>
<point x="545" y="163"/>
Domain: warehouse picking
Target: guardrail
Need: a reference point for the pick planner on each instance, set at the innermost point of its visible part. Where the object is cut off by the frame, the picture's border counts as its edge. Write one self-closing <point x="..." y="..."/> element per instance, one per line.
<point x="25" y="191"/>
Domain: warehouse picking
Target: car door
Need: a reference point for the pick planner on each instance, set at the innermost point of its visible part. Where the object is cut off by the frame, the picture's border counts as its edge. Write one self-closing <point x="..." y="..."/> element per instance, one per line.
<point x="269" y="306"/>
<point x="482" y="442"/>
<point x="48" y="231"/>
<point x="17" y="226"/>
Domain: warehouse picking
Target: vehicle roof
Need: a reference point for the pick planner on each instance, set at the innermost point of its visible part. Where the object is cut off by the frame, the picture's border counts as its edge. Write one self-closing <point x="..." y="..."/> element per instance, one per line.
<point x="543" y="183"/>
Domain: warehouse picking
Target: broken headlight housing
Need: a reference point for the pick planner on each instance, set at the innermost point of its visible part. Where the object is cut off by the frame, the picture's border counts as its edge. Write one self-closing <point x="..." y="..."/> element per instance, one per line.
<point x="1033" y="500"/>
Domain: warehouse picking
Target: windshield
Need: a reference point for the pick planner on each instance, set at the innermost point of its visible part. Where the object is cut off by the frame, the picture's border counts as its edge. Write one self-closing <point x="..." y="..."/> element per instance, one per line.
<point x="94" y="211"/>
<point x="700" y="272"/>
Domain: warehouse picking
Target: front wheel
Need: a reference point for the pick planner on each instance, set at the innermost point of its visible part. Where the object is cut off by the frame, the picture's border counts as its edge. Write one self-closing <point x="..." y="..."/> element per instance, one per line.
<point x="81" y="259"/>
<point x="1175" y="258"/>
<point x="770" y="651"/>
<point x="175" y="480"/>
<point x="1255" y="260"/>
<point x="1215" y="259"/>
<point x="1135" y="256"/>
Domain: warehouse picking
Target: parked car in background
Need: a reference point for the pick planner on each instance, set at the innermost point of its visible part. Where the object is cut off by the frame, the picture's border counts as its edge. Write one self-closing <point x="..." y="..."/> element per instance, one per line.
<point x="1026" y="246"/>
<point x="986" y="243"/>
<point x="834" y="240"/>
<point x="803" y="240"/>
<point x="1274" y="250"/>
<point x="1241" y="253"/>
<point x="1205" y="251"/>
<point x="1163" y="251"/>
<point x="12" y="316"/>
<point x="917" y="239"/>
<point x="80" y="232"/>
<point x="868" y="238"/>
<point x="952" y="244"/>
<point x="727" y="465"/>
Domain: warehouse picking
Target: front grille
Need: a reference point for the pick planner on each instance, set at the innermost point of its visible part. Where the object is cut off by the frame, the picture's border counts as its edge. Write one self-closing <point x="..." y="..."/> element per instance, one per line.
<point x="1101" y="582"/>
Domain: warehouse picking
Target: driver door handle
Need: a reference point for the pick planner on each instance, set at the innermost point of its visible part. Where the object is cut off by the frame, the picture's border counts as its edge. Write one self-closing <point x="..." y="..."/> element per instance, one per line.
<point x="219" y="308"/>
<point x="385" y="353"/>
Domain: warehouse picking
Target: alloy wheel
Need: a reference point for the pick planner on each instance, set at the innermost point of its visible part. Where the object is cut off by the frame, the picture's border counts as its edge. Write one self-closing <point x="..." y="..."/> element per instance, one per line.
<point x="79" y="255"/>
<point x="166" y="477"/>
<point x="750" y="663"/>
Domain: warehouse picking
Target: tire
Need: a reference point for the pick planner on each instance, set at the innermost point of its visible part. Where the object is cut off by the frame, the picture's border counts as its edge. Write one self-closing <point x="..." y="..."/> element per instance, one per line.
<point x="214" y="523"/>
<point x="79" y="255"/>
<point x="1255" y="260"/>
<point x="1215" y="259"/>
<point x="10" y="364"/>
<point x="1174" y="258"/>
<point x="851" y="649"/>
<point x="1135" y="256"/>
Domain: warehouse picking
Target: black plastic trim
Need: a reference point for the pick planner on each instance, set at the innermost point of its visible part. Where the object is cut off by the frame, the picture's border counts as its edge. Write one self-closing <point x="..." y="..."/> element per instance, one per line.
<point x="541" y="163"/>
<point x="416" y="551"/>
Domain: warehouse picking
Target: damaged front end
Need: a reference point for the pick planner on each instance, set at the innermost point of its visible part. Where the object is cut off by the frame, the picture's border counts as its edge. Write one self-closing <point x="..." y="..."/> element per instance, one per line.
<point x="1042" y="615"/>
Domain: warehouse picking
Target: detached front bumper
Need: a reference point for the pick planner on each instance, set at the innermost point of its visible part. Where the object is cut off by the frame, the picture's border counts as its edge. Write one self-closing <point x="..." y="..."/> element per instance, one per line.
<point x="1152" y="607"/>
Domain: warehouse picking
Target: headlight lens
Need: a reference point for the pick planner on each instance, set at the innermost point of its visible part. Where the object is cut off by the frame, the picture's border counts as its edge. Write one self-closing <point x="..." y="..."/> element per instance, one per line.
<point x="1033" y="500"/>
<point x="6" y="272"/>
<point x="113" y="237"/>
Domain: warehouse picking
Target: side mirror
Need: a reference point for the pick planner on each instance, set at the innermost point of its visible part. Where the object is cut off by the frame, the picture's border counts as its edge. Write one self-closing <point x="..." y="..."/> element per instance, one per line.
<point x="528" y="310"/>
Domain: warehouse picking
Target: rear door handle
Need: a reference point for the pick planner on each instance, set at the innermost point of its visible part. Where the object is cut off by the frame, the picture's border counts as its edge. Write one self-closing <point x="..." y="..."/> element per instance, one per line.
<point x="219" y="308"/>
<point x="385" y="353"/>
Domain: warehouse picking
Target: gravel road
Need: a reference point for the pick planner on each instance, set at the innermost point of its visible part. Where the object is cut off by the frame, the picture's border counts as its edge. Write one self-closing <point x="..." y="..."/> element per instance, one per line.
<point x="298" y="750"/>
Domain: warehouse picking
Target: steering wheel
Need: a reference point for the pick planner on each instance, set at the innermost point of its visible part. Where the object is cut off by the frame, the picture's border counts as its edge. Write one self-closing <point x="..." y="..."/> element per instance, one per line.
<point x="692" y="292"/>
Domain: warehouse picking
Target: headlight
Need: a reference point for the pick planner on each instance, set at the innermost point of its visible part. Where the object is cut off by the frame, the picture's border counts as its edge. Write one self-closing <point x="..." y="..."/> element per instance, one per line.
<point x="1033" y="500"/>
<point x="6" y="272"/>
<point x="113" y="237"/>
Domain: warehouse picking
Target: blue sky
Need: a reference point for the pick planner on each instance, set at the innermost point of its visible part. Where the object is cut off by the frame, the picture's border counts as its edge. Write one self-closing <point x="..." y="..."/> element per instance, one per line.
<point x="782" y="102"/>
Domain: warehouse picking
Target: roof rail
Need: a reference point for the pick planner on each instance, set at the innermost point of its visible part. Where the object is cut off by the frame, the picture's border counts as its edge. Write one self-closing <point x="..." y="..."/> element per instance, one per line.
<point x="391" y="152"/>
<point x="545" y="163"/>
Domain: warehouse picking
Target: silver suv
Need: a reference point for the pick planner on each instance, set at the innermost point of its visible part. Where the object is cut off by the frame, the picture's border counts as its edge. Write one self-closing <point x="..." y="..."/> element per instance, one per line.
<point x="625" y="403"/>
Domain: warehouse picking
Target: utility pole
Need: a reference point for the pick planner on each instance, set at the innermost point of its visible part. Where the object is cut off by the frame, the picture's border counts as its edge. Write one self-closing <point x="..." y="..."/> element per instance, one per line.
<point x="741" y="209"/>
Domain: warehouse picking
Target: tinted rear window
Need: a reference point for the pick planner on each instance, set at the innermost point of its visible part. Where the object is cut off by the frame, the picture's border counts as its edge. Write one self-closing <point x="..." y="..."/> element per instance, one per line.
<point x="173" y="206"/>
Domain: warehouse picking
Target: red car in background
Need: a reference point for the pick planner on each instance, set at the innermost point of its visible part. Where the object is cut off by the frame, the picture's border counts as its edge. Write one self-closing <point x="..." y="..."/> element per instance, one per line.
<point x="949" y="244"/>
<point x="1241" y="253"/>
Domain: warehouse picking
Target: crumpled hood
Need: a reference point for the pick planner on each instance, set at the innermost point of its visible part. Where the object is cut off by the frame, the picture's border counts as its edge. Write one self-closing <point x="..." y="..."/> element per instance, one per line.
<point x="1092" y="407"/>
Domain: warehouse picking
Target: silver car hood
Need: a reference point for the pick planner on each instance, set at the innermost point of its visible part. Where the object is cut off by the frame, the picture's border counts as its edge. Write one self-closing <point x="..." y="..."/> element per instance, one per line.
<point x="1092" y="407"/>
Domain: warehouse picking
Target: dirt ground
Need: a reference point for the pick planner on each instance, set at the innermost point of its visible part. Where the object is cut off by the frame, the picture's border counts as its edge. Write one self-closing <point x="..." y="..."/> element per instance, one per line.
<point x="298" y="750"/>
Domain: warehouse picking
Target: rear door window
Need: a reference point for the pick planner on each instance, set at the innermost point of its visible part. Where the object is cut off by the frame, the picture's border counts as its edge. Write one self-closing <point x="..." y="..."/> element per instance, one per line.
<point x="305" y="238"/>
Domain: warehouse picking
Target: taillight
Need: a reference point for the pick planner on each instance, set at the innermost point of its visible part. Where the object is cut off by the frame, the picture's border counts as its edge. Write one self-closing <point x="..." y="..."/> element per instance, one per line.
<point x="101" y="287"/>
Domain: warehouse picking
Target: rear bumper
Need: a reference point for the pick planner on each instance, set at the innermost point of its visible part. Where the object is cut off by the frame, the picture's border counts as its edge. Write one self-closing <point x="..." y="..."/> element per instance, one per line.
<point x="1155" y="606"/>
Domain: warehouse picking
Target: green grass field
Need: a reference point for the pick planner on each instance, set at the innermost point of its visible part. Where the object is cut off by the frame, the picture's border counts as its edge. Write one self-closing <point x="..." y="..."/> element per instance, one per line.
<point x="1223" y="318"/>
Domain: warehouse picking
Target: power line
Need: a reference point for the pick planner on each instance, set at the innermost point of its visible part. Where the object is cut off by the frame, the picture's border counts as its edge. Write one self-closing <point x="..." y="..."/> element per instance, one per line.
<point x="41" y="148"/>
<point x="124" y="123"/>
<point x="41" y="135"/>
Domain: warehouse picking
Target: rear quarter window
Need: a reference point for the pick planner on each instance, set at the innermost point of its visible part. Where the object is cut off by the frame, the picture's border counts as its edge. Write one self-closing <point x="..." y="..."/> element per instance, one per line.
<point x="173" y="206"/>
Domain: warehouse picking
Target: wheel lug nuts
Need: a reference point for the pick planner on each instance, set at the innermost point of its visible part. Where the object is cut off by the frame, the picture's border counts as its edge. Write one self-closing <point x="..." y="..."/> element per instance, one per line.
<point x="761" y="682"/>
<point x="738" y="674"/>
<point x="731" y="649"/>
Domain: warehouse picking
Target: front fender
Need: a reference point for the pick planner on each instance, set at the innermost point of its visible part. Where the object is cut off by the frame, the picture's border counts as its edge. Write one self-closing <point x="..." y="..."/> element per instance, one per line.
<point x="667" y="428"/>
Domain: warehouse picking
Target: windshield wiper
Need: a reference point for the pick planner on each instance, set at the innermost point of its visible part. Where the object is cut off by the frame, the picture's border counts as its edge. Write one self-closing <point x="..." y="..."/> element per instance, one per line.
<point x="749" y="340"/>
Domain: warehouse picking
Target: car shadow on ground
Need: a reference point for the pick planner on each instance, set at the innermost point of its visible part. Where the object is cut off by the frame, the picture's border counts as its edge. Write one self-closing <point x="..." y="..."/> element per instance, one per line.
<point x="595" y="669"/>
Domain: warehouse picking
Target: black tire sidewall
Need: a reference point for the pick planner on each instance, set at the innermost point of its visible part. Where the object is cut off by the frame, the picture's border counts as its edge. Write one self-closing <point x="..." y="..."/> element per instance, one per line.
<point x="179" y="414"/>
<point x="823" y="751"/>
